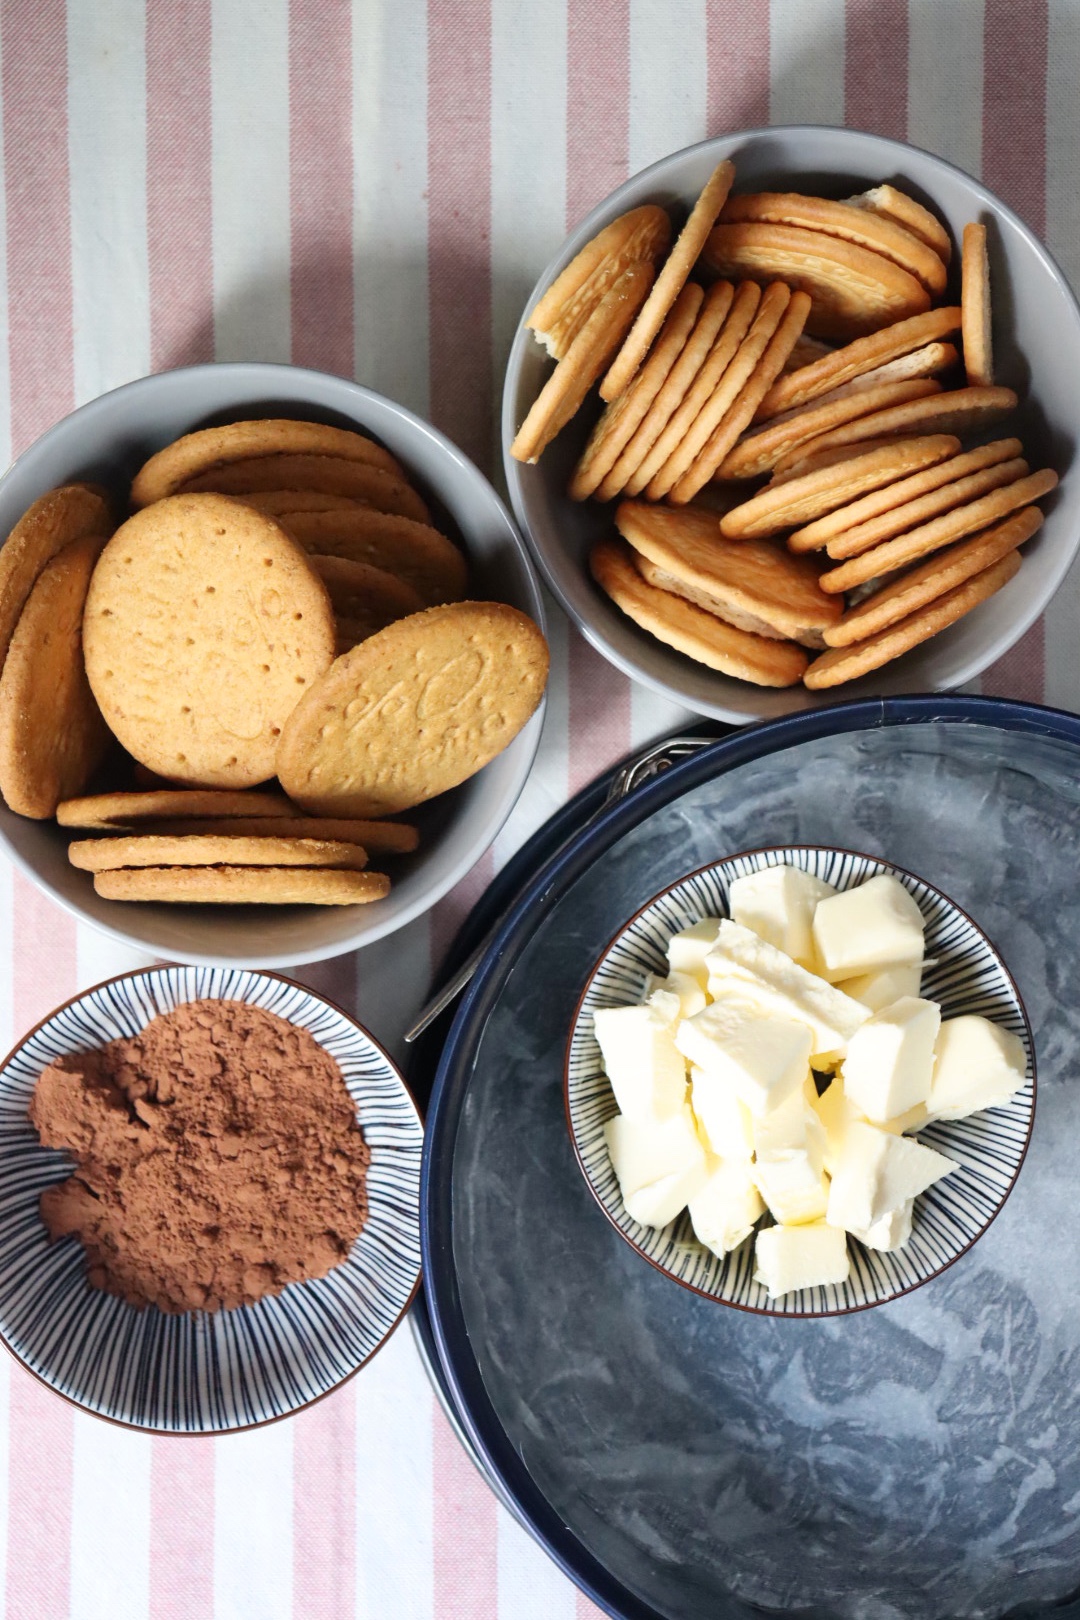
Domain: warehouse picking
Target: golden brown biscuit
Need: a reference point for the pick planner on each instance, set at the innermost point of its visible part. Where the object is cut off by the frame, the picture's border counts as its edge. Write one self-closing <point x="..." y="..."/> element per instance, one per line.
<point x="750" y="583"/>
<point x="975" y="303"/>
<point x="212" y="849"/>
<point x="858" y="225"/>
<point x="280" y="502"/>
<point x="564" y="391"/>
<point x="366" y="598"/>
<point x="110" y="810"/>
<point x="414" y="710"/>
<point x="642" y="235"/>
<point x="925" y="362"/>
<point x="243" y="885"/>
<point x="766" y="447"/>
<point x="944" y="571"/>
<point x="377" y="837"/>
<point x="929" y="504"/>
<point x="53" y="522"/>
<point x="853" y="290"/>
<point x="328" y="474"/>
<point x="665" y="290"/>
<point x="780" y="506"/>
<point x="959" y="410"/>
<point x="688" y="628"/>
<point x="897" y="205"/>
<point x="799" y="464"/>
<point x="840" y="366"/>
<point x="170" y="469"/>
<point x="805" y="352"/>
<point x="842" y="664"/>
<point x="204" y="624"/>
<point x="425" y="559"/>
<point x="52" y="736"/>
<point x="940" y="531"/>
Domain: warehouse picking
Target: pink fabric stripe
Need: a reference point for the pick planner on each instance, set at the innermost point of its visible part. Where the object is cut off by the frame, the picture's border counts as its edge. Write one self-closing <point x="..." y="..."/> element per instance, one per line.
<point x="465" y="1527"/>
<point x="36" y="183"/>
<point x="599" y="708"/>
<point x="585" y="1609"/>
<point x="181" y="1529"/>
<point x="459" y="224"/>
<point x="876" y="67"/>
<point x="44" y="972"/>
<point x="597" y="102"/>
<point x="450" y="913"/>
<point x="179" y="219"/>
<point x="321" y="182"/>
<point x="1015" y="41"/>
<point x="737" y="35"/>
<point x="324" y="1509"/>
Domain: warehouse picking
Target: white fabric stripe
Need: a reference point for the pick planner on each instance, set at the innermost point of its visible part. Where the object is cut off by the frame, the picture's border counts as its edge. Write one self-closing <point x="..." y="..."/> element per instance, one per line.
<point x="253" y="1524"/>
<point x="546" y="789"/>
<point x="806" y="62"/>
<point x="110" y="1527"/>
<point x="390" y="187"/>
<point x="394" y="1485"/>
<point x="250" y="169"/>
<point x="668" y="77"/>
<point x="98" y="957"/>
<point x="945" y="80"/>
<point x="653" y="716"/>
<point x="107" y="154"/>
<point x="392" y="983"/>
<point x="531" y="1585"/>
<point x="5" y="356"/>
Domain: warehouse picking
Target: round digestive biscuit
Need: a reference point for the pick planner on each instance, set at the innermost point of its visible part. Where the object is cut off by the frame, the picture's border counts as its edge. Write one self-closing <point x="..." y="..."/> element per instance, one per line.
<point x="210" y="448"/>
<point x="958" y="410"/>
<point x="840" y="366"/>
<point x="280" y="502"/>
<point x="204" y="625"/>
<point x="940" y="531"/>
<point x="781" y="506"/>
<point x="941" y="573"/>
<point x="853" y="290"/>
<point x="622" y="417"/>
<point x="751" y="583"/>
<point x="377" y="837"/>
<point x="641" y="235"/>
<point x="243" y="885"/>
<point x="52" y="736"/>
<point x="45" y="528"/>
<point x="365" y="598"/>
<point x="975" y="303"/>
<point x="763" y="449"/>
<point x="414" y="710"/>
<point x="688" y="628"/>
<point x="428" y="563"/>
<point x="212" y="849"/>
<point x="842" y="664"/>
<point x="106" y="810"/>
<point x="562" y="394"/>
<point x="902" y="519"/>
<point x="665" y="289"/>
<point x="860" y="226"/>
<point x="892" y="204"/>
<point x="387" y="492"/>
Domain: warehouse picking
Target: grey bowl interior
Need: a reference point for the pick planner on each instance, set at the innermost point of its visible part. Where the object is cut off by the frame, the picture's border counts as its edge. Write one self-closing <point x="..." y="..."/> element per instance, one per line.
<point x="1037" y="352"/>
<point x="107" y="440"/>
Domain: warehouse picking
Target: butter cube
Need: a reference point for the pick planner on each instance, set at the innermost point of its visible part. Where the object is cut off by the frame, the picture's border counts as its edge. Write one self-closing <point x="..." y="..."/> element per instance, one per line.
<point x="660" y="1164"/>
<point x="741" y="964"/>
<point x="777" y="903"/>
<point x="791" y="1257"/>
<point x="876" y="1172"/>
<point x="884" y="985"/>
<point x="788" y="1166"/>
<point x="763" y="1058"/>
<point x="723" y="1118"/>
<point x="891" y="1232"/>
<point x="726" y="1207"/>
<point x="875" y="925"/>
<point x="687" y="950"/>
<point x="890" y="1060"/>
<point x="979" y="1065"/>
<point x="647" y="1072"/>
<point x="835" y="1112"/>
<point x="677" y="996"/>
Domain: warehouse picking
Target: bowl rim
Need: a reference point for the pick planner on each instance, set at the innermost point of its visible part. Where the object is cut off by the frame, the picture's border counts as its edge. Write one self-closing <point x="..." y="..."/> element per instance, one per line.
<point x="586" y="228"/>
<point x="253" y="370"/>
<point x="891" y="868"/>
<point x="278" y="1417"/>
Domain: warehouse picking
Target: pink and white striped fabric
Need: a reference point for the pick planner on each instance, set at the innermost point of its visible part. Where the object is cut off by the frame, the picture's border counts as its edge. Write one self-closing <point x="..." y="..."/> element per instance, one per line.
<point x="371" y="188"/>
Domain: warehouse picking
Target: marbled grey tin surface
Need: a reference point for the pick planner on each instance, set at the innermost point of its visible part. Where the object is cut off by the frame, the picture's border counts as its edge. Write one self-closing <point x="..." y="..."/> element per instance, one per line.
<point x="921" y="1460"/>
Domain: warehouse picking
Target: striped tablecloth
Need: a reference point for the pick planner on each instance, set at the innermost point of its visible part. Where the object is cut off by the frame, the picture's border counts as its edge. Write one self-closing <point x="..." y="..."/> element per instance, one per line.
<point x="372" y="190"/>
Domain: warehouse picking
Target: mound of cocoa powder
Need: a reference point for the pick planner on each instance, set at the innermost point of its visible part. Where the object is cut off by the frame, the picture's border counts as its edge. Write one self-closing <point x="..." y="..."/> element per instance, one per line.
<point x="218" y="1157"/>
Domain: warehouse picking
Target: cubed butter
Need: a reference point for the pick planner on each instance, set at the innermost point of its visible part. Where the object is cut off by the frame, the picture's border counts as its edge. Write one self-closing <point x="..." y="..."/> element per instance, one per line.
<point x="742" y="964"/>
<point x="791" y="1257"/>
<point x="723" y="1118"/>
<point x="835" y="1112"/>
<point x="876" y="1173"/>
<point x="875" y="925"/>
<point x="687" y="950"/>
<point x="660" y="1164"/>
<point x="765" y="1059"/>
<point x="789" y="1162"/>
<point x="677" y="996"/>
<point x="884" y="985"/>
<point x="978" y="1065"/>
<point x="777" y="903"/>
<point x="725" y="1208"/>
<point x="891" y="1232"/>
<point x="890" y="1060"/>
<point x="646" y="1070"/>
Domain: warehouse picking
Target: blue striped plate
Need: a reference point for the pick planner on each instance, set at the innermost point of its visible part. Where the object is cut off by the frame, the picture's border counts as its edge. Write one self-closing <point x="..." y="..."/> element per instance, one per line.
<point x="968" y="977"/>
<point x="203" y="1374"/>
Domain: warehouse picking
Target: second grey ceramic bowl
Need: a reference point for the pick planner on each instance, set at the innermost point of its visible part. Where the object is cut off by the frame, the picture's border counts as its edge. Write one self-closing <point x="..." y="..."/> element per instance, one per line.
<point x="1036" y="351"/>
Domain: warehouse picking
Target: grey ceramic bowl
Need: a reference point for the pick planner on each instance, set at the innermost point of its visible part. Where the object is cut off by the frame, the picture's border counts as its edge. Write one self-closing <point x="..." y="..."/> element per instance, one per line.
<point x="1036" y="349"/>
<point x="107" y="441"/>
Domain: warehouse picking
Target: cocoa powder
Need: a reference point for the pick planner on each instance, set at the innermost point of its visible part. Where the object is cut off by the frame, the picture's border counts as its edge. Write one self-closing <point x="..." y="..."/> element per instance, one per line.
<point x="218" y="1157"/>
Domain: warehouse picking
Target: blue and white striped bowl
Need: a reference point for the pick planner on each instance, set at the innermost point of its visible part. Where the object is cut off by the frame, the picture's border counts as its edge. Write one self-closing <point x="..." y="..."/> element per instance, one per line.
<point x="203" y="1374"/>
<point x="968" y="977"/>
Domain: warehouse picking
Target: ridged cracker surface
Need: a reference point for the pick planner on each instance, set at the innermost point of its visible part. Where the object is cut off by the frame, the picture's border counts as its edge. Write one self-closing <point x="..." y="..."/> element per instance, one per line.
<point x="414" y="710"/>
<point x="205" y="624"/>
<point x="199" y="452"/>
